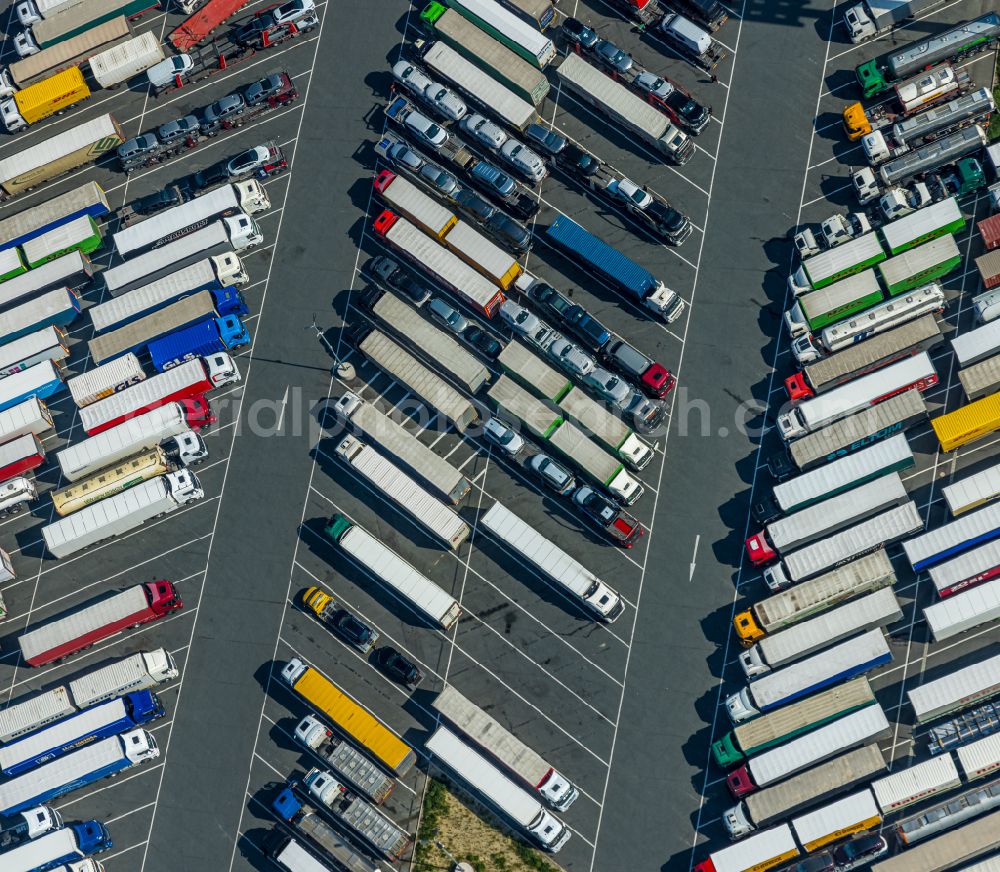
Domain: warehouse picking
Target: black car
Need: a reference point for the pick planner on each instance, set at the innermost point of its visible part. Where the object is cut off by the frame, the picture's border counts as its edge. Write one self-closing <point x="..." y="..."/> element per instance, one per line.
<point x="481" y="340"/>
<point x="577" y="161"/>
<point x="157" y="201"/>
<point x="576" y="32"/>
<point x="592" y="333"/>
<point x="192" y="185"/>
<point x="816" y="863"/>
<point x="667" y="217"/>
<point x="551" y="300"/>
<point x="859" y="851"/>
<point x="547" y="141"/>
<point x="472" y="204"/>
<point x="397" y="667"/>
<point x="394" y="276"/>
<point x="688" y="109"/>
<point x="354" y="631"/>
<point x="509" y="231"/>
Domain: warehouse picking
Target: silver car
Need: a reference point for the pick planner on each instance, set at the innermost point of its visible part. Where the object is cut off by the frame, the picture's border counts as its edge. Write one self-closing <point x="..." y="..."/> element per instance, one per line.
<point x="553" y="475"/>
<point x="523" y="160"/>
<point x="425" y="130"/>
<point x="503" y="436"/>
<point x="610" y="386"/>
<point x="519" y="319"/>
<point x="570" y="358"/>
<point x="448" y="316"/>
<point x="410" y="77"/>
<point x="448" y="103"/>
<point x="484" y="131"/>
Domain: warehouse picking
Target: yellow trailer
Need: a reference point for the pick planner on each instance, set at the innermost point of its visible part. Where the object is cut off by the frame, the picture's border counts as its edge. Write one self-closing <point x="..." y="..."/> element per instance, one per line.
<point x="112" y="480"/>
<point x="47" y="97"/>
<point x="970" y="422"/>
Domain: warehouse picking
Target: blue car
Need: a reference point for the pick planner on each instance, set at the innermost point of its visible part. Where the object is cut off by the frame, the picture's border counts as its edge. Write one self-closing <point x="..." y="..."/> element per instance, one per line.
<point x="592" y="333"/>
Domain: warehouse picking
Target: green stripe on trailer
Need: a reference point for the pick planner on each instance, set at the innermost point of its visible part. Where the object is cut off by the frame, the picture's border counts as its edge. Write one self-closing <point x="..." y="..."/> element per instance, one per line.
<point x="510" y="398"/>
<point x="920" y="265"/>
<point x="11" y="264"/>
<point x="840" y="300"/>
<point x="81" y="234"/>
<point x="923" y="225"/>
<point x="845" y="260"/>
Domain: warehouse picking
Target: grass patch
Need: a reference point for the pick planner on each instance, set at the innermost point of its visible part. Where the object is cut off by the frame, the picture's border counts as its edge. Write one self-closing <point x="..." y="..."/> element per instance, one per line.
<point x="465" y="835"/>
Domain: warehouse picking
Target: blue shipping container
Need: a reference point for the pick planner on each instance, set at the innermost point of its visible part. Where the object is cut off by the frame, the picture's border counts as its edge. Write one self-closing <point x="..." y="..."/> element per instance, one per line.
<point x="200" y="340"/>
<point x="41" y="380"/>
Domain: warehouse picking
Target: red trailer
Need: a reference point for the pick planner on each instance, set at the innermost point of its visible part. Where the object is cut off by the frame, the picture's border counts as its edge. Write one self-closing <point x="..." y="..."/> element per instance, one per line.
<point x="989" y="229"/>
<point x="192" y="379"/>
<point x="108" y="617"/>
<point x="20" y="455"/>
<point x="989" y="268"/>
<point x="198" y="27"/>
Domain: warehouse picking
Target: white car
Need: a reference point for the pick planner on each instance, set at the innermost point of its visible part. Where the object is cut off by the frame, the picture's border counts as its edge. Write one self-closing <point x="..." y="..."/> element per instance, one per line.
<point x="519" y="319"/>
<point x="448" y="103"/>
<point x="293" y="10"/>
<point x="629" y="192"/>
<point x="165" y="72"/>
<point x="411" y="78"/>
<point x="653" y="84"/>
<point x="523" y="159"/>
<point x="484" y="131"/>
<point x="569" y="357"/>
<point x="610" y="386"/>
<point x="426" y="131"/>
<point x="503" y="436"/>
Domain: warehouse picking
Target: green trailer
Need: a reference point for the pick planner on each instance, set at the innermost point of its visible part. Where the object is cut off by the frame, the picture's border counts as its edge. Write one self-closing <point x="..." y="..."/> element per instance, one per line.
<point x="838" y="301"/>
<point x="920" y="265"/>
<point x="77" y="19"/>
<point x="923" y="225"/>
<point x="845" y="260"/>
<point x="488" y="54"/>
<point x="11" y="264"/>
<point x="81" y="234"/>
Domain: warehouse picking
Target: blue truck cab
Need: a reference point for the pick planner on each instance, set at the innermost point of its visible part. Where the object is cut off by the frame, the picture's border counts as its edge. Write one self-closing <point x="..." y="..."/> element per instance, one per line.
<point x="199" y="340"/>
<point x="92" y="837"/>
<point x="286" y="805"/>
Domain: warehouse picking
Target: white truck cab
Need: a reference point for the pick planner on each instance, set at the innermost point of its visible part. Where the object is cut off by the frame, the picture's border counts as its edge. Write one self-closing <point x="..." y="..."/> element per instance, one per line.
<point x="736" y="822"/>
<point x="187" y="448"/>
<point x="798" y="282"/>
<point x="15" y="494"/>
<point x="859" y="26"/>
<point x="877" y="149"/>
<point x="752" y="663"/>
<point x="160" y="664"/>
<point x="739" y="707"/>
<point x="898" y="201"/>
<point x="804" y="349"/>
<point x="229" y="270"/>
<point x="866" y="185"/>
<point x="40" y="820"/>
<point x="243" y="231"/>
<point x="791" y="426"/>
<point x="24" y="44"/>
<point x="140" y="746"/>
<point x="184" y="486"/>
<point x="252" y="196"/>
<point x="221" y="369"/>
<point x="7" y="86"/>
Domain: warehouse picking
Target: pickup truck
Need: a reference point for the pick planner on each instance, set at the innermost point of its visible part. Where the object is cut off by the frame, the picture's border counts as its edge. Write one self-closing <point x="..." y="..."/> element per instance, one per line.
<point x="607" y="516"/>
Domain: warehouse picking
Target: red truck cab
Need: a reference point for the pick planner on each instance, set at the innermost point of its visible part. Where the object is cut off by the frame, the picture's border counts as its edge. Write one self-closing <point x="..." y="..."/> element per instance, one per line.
<point x="797" y="387"/>
<point x="163" y="597"/>
<point x="739" y="782"/>
<point x="759" y="550"/>
<point x="197" y="413"/>
<point x="658" y="381"/>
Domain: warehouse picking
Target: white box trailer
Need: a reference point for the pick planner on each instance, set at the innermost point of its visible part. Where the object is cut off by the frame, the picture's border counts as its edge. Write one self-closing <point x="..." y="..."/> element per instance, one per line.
<point x="852" y="814"/>
<point x="25" y="717"/>
<point x="442" y="349"/>
<point x="980" y="758"/>
<point x="957" y="614"/>
<point x="389" y="356"/>
<point x="953" y="538"/>
<point x="86" y="199"/>
<point x="488" y="782"/>
<point x="142" y="671"/>
<point x="122" y="512"/>
<point x="973" y="490"/>
<point x="487" y="91"/>
<point x="394" y="439"/>
<point x="967" y="570"/>
<point x="82" y="458"/>
<point x="380" y="561"/>
<point x="59" y="240"/>
<point x="838" y="775"/>
<point x="121" y="62"/>
<point x="63" y="271"/>
<point x="551" y="562"/>
<point x="247" y="196"/>
<point x="104" y="380"/>
<point x="978" y="344"/>
<point x="958" y="690"/>
<point x="867" y="536"/>
<point x="889" y="455"/>
<point x="490" y="735"/>
<point x="865" y="613"/>
<point x="439" y="520"/>
<point x="31" y="416"/>
<point x="763" y="850"/>
<point x="915" y="784"/>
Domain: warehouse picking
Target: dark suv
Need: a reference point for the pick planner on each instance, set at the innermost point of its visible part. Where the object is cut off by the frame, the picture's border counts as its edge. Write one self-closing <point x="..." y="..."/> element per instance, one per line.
<point x="157" y="201"/>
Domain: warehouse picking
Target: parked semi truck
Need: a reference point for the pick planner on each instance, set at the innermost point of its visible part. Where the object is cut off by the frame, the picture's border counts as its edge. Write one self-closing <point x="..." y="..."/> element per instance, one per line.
<point x="872" y="18"/>
<point x="763" y="807"/>
<point x="918" y="266"/>
<point x="82" y="234"/>
<point x="838" y="263"/>
<point x="478" y="774"/>
<point x="104" y="380"/>
<point x="66" y="270"/>
<point x="63" y="846"/>
<point x="617" y="102"/>
<point x="552" y="563"/>
<point x="634" y="282"/>
<point x="967" y="570"/>
<point x="437" y="519"/>
<point x="351" y="719"/>
<point x="762" y="850"/>
<point x="31" y="416"/>
<point x="959" y="689"/>
<point x="790" y="721"/>
<point x="963" y="612"/>
<point x="42" y="381"/>
<point x="75" y="51"/>
<point x="122" y="512"/>
<point x="77" y="769"/>
<point x="27" y="825"/>
<point x="862" y="576"/>
<point x="496" y="740"/>
<point x="949" y="540"/>
<point x="58" y="639"/>
<point x="845" y="660"/>
<point x="49" y="343"/>
<point x="192" y="379"/>
<point x="348" y="762"/>
<point x="60" y="154"/>
<point x="56" y="308"/>
<point x="428" y="598"/>
<point x="85" y="200"/>
<point x="53" y="95"/>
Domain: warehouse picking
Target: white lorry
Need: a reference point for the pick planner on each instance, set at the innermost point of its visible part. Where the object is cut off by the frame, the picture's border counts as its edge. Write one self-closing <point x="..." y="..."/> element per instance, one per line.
<point x="346" y="760"/>
<point x="552" y="563"/>
<point x="495" y="739"/>
<point x="104" y="380"/>
<point x="233" y="200"/>
<point x="116" y="65"/>
<point x="141" y="671"/>
<point x="122" y="512"/>
<point x="957" y="690"/>
<point x="871" y="18"/>
<point x="31" y="416"/>
<point x="437" y="519"/>
<point x="957" y="614"/>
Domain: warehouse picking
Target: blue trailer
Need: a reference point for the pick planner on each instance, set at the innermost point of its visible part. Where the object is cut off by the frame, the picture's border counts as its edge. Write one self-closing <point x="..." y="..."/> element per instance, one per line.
<point x="27" y="825"/>
<point x="87" y="200"/>
<point x="77" y="769"/>
<point x="142" y="301"/>
<point x="81" y="728"/>
<point x="58" y="308"/>
<point x="199" y="340"/>
<point x="623" y="274"/>
<point x="75" y="842"/>
<point x="968" y="531"/>
<point x="41" y="380"/>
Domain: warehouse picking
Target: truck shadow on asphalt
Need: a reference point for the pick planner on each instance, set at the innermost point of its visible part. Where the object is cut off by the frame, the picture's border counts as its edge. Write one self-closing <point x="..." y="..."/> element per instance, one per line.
<point x="250" y="843"/>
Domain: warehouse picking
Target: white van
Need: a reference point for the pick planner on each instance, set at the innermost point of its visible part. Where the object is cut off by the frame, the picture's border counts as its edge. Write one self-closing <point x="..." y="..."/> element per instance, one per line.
<point x="686" y="35"/>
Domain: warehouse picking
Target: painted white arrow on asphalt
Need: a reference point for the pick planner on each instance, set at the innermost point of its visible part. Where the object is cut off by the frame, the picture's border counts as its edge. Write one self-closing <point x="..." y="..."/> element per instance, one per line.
<point x="694" y="555"/>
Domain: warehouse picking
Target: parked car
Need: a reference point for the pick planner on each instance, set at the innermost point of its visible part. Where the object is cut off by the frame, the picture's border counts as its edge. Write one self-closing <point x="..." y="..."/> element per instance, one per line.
<point x="261" y="161"/>
<point x="138" y="148"/>
<point x="546" y="140"/>
<point x="411" y="78"/>
<point x="483" y="131"/>
<point x="292" y="11"/>
<point x="607" y="516"/>
<point x="523" y="160"/>
<point x="276" y="89"/>
<point x="552" y="302"/>
<point x="613" y="57"/>
<point x="609" y="386"/>
<point x="397" y="667"/>
<point x="499" y="433"/>
<point x="510" y="232"/>
<point x="169" y="197"/>
<point x="519" y="319"/>
<point x="447" y="316"/>
<point x="392" y="275"/>
<point x="471" y="203"/>
<point x="166" y="72"/>
<point x="425" y="131"/>
<point x="591" y="331"/>
<point x="483" y="342"/>
<point x="569" y="357"/>
<point x="445" y="101"/>
<point x="439" y="179"/>
<point x="400" y="154"/>
<point x="652" y="377"/>
<point x="578" y="161"/>
<point x="179" y="128"/>
<point x="578" y="33"/>
<point x="859" y="851"/>
<point x="690" y="112"/>
<point x="193" y="184"/>
<point x="555" y="477"/>
<point x="217" y="113"/>
<point x="354" y="631"/>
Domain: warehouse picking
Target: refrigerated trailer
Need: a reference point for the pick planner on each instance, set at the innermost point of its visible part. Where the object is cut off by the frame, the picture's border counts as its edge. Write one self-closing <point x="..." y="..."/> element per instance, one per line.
<point x="961" y="613"/>
<point x="81" y="234"/>
<point x="976" y="345"/>
<point x="104" y="380"/>
<point x="57" y="308"/>
<point x="980" y="379"/>
<point x="71" y="52"/>
<point x="40" y="381"/>
<point x="63" y="271"/>
<point x="853" y="814"/>
<point x="552" y="563"/>
<point x="31" y="416"/>
<point x="915" y="783"/>
<point x="957" y="690"/>
<point x="49" y="343"/>
<point x="967" y="570"/>
<point x="828" y="305"/>
<point x="953" y="538"/>
<point x="503" y="25"/>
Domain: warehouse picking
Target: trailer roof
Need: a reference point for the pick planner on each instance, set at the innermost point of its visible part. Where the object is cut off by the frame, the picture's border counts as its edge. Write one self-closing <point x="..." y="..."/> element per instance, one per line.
<point x="977" y="681"/>
<point x="57" y="146"/>
<point x="533" y="372"/>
